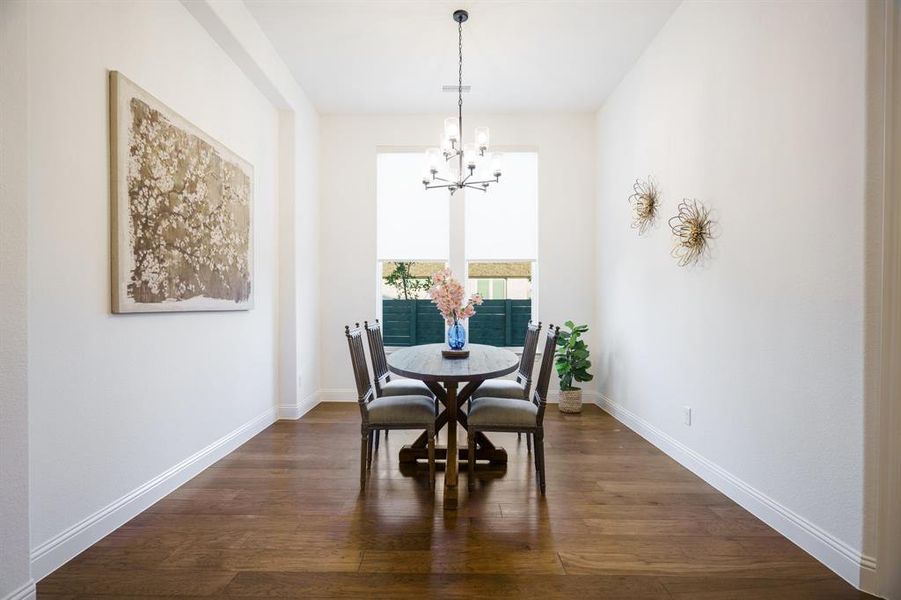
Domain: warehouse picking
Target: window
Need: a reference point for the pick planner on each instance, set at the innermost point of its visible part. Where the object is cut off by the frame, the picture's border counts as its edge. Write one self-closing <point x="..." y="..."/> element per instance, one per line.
<point x="412" y="224"/>
<point x="501" y="280"/>
<point x="490" y="236"/>
<point x="407" y="280"/>
<point x="501" y="252"/>
<point x="502" y="223"/>
<point x="491" y="289"/>
<point x="412" y="243"/>
<point x="504" y="315"/>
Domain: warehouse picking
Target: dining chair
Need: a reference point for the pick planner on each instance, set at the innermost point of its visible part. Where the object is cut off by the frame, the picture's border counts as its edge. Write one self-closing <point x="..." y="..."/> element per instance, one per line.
<point x="384" y="384"/>
<point x="387" y="412"/>
<point x="514" y="415"/>
<point x="520" y="387"/>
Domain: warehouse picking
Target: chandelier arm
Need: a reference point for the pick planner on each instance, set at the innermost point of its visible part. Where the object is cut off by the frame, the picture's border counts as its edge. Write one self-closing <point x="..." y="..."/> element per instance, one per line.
<point x="475" y="187"/>
<point x="483" y="181"/>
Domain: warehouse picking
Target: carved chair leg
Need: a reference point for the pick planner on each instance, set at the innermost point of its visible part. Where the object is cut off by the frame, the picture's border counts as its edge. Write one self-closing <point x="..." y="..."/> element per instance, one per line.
<point x="378" y="436"/>
<point x="364" y="457"/>
<point x="528" y="442"/>
<point x="471" y="458"/>
<point x="372" y="435"/>
<point x="539" y="451"/>
<point x="431" y="460"/>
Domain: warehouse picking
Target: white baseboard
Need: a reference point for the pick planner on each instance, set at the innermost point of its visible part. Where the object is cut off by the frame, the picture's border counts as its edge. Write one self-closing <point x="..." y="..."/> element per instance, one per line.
<point x="848" y="563"/>
<point x="296" y="411"/>
<point x="60" y="549"/>
<point x="338" y="395"/>
<point x="26" y="592"/>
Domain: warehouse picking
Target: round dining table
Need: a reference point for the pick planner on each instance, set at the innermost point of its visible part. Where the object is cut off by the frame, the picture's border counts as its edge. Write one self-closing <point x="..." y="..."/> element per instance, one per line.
<point x="427" y="364"/>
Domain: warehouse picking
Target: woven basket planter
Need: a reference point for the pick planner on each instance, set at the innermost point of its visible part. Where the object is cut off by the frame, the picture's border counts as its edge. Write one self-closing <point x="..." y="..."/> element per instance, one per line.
<point x="570" y="401"/>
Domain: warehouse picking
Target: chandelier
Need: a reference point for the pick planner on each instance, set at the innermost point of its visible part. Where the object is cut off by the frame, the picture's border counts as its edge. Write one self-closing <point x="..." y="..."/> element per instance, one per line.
<point x="456" y="165"/>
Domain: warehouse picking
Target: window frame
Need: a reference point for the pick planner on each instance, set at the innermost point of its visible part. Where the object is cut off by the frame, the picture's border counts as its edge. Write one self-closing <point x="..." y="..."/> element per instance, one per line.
<point x="457" y="235"/>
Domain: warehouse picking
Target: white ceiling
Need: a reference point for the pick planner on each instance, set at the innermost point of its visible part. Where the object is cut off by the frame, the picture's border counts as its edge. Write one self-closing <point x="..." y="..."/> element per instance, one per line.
<point x="393" y="56"/>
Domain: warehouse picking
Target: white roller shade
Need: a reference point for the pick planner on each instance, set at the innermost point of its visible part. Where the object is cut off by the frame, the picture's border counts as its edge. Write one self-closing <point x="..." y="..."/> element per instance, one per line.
<point x="502" y="223"/>
<point x="412" y="223"/>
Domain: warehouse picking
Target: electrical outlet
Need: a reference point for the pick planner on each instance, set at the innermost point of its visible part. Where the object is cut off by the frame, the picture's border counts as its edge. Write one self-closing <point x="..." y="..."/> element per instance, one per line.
<point x="686" y="415"/>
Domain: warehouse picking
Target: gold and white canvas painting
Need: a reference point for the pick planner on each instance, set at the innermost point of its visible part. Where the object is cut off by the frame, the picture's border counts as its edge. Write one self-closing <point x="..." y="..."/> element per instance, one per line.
<point x="182" y="211"/>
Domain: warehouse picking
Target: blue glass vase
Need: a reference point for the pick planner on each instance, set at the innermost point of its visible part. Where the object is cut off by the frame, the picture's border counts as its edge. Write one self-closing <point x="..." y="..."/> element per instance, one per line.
<point x="456" y="336"/>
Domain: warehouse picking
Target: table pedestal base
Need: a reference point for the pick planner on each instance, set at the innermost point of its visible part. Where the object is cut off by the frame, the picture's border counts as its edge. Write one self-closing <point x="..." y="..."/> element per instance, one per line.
<point x="496" y="456"/>
<point x="426" y="364"/>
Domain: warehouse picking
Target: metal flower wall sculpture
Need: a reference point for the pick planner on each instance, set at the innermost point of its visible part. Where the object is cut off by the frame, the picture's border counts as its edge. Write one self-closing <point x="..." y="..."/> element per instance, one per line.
<point x="692" y="229"/>
<point x="645" y="200"/>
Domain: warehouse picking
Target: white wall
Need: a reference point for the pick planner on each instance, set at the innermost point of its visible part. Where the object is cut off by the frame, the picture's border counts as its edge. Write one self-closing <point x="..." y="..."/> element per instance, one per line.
<point x="758" y="110"/>
<point x="240" y="36"/>
<point x="15" y="571"/>
<point x="298" y="328"/>
<point x="306" y="252"/>
<point x="116" y="400"/>
<point x="565" y="145"/>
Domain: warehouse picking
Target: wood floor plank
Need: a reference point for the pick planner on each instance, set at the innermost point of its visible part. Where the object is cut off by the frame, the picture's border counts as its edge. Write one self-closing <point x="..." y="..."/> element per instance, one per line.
<point x="676" y="563"/>
<point x="318" y="559"/>
<point x="100" y="581"/>
<point x="283" y="517"/>
<point x="761" y="588"/>
<point x="451" y="586"/>
<point x="481" y="560"/>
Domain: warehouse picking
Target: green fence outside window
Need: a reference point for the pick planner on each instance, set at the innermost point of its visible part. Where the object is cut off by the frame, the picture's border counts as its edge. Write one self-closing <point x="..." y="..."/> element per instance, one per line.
<point x="496" y="323"/>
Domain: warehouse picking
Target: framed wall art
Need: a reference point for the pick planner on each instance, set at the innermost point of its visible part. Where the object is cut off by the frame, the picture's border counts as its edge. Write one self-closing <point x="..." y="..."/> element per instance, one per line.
<point x="182" y="211"/>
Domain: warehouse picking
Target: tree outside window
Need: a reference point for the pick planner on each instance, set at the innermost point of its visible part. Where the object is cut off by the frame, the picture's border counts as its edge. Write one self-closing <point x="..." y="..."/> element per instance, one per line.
<point x="407" y="280"/>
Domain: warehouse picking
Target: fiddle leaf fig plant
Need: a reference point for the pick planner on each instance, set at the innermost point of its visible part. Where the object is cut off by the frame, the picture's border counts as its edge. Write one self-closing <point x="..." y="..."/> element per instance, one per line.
<point x="572" y="356"/>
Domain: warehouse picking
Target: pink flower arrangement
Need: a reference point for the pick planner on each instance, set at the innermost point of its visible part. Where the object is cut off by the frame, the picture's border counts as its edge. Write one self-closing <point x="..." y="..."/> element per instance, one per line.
<point x="448" y="294"/>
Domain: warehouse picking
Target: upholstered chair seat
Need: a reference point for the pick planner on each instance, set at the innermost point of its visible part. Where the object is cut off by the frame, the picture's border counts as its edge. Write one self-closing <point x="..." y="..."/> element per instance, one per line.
<point x="500" y="388"/>
<point x="405" y="387"/>
<point x="395" y="410"/>
<point x="503" y="412"/>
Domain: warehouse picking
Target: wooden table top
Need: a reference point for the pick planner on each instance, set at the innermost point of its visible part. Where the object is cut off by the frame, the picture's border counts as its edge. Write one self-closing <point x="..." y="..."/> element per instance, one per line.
<point x="426" y="363"/>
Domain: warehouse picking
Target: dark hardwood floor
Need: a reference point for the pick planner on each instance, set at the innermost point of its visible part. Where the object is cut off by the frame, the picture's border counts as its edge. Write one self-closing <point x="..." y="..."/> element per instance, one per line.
<point x="283" y="517"/>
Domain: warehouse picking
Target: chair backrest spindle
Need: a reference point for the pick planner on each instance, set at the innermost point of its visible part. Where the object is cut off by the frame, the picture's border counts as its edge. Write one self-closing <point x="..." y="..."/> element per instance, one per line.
<point x="527" y="361"/>
<point x="358" y="361"/>
<point x="539" y="398"/>
<point x="380" y="371"/>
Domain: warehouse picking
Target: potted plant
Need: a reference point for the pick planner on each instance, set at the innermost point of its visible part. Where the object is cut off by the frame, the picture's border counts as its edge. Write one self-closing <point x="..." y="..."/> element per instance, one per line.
<point x="572" y="366"/>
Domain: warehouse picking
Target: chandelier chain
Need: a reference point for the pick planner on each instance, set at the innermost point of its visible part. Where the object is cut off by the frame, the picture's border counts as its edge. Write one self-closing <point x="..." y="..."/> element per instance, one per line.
<point x="460" y="72"/>
<point x="460" y="95"/>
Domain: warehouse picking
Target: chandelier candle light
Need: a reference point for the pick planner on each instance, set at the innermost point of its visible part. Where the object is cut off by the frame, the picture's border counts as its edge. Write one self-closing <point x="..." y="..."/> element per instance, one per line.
<point x="468" y="157"/>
